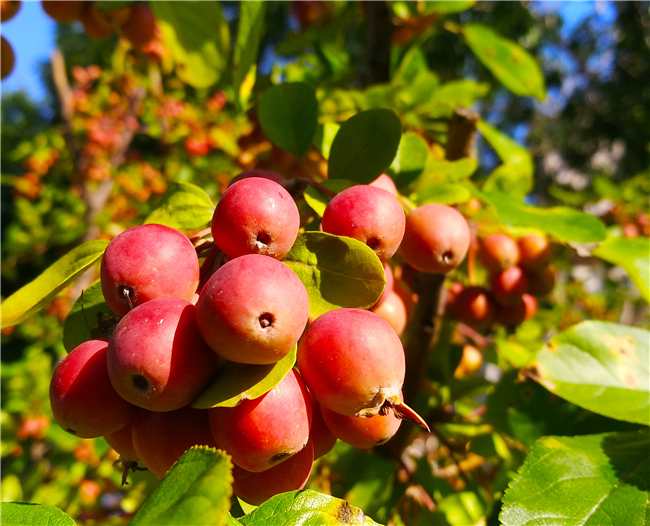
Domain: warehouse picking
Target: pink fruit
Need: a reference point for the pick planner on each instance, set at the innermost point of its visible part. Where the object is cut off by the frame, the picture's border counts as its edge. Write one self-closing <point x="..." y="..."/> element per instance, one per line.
<point x="84" y="402"/>
<point x="147" y="262"/>
<point x="122" y="442"/>
<point x="156" y="357"/>
<point x="320" y="435"/>
<point x="436" y="239"/>
<point x="255" y="216"/>
<point x="261" y="433"/>
<point x="388" y="288"/>
<point x="253" y="310"/>
<point x="362" y="433"/>
<point x="499" y="252"/>
<point x="508" y="286"/>
<point x="393" y="311"/>
<point x="369" y="214"/>
<point x="291" y="475"/>
<point x="385" y="182"/>
<point x="160" y="439"/>
<point x="352" y="361"/>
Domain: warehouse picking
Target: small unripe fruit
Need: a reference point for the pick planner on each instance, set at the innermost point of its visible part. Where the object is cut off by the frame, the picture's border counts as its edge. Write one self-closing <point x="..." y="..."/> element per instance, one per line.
<point x="508" y="286"/>
<point x="362" y="433"/>
<point x="256" y="216"/>
<point x="253" y="310"/>
<point x="542" y="282"/>
<point x="84" y="402"/>
<point x="499" y="252"/>
<point x="156" y="357"/>
<point x="140" y="27"/>
<point x="369" y="214"/>
<point x="474" y="306"/>
<point x="436" y="239"/>
<point x="291" y="475"/>
<point x="535" y="252"/>
<point x="63" y="10"/>
<point x="261" y="433"/>
<point x="147" y="262"/>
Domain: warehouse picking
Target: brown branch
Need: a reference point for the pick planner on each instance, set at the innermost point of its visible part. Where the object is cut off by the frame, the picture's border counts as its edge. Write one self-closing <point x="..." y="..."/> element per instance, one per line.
<point x="461" y="133"/>
<point x="380" y="29"/>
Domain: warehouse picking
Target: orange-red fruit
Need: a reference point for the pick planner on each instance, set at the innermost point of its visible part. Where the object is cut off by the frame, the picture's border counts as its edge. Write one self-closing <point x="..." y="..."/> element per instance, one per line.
<point x="534" y="252"/>
<point x="474" y="306"/>
<point x="369" y="214"/>
<point x="470" y="362"/>
<point x="388" y="288"/>
<point x="291" y="475"/>
<point x="436" y="239"/>
<point x="7" y="57"/>
<point x="362" y="433"/>
<point x="320" y="435"/>
<point x="63" y="10"/>
<point x="393" y="310"/>
<point x="499" y="252"/>
<point x="542" y="282"/>
<point x="385" y="182"/>
<point x="84" y="402"/>
<point x="122" y="442"/>
<point x="508" y="286"/>
<point x="451" y="293"/>
<point x="8" y="9"/>
<point x="140" y="27"/>
<point x="352" y="361"/>
<point x="160" y="439"/>
<point x="261" y="433"/>
<point x="92" y="27"/>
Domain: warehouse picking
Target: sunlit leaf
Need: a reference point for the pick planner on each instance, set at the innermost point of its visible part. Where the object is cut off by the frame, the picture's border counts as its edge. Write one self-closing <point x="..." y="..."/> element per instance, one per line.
<point x="631" y="254"/>
<point x="183" y="206"/>
<point x="448" y="6"/>
<point x="451" y="95"/>
<point x="250" y="29"/>
<point x="410" y="160"/>
<point x="319" y="200"/>
<point x="87" y="317"/>
<point x="27" y="514"/>
<point x="325" y="137"/>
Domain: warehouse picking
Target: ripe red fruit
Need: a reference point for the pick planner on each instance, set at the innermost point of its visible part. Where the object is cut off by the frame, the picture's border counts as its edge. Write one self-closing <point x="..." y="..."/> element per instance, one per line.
<point x="362" y="433"/>
<point x="8" y="9"/>
<point x="156" y="357"/>
<point x="264" y="174"/>
<point x="508" y="286"/>
<point x="388" y="288"/>
<point x="253" y="310"/>
<point x="531" y="305"/>
<point x="513" y="314"/>
<point x="255" y="216"/>
<point x="160" y="439"/>
<point x="261" y="433"/>
<point x="291" y="475"/>
<point x="122" y="442"/>
<point x="470" y="362"/>
<point x="535" y="252"/>
<point x="436" y="239"/>
<point x="63" y="10"/>
<point x="147" y="262"/>
<point x="474" y="306"/>
<point x="197" y="146"/>
<point x="352" y="361"/>
<point x="369" y="214"/>
<point x="451" y="293"/>
<point x="386" y="183"/>
<point x="84" y="402"/>
<point x="499" y="252"/>
<point x="542" y="282"/>
<point x="140" y="27"/>
<point x="393" y="311"/>
<point x="7" y="57"/>
<point x="320" y="435"/>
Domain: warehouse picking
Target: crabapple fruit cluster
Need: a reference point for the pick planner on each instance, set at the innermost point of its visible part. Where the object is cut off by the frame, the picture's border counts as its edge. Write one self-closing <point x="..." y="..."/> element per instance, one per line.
<point x="182" y="319"/>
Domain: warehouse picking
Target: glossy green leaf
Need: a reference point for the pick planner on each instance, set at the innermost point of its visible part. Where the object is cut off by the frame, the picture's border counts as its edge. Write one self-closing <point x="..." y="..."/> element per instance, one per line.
<point x="235" y="382"/>
<point x="306" y="507"/>
<point x="325" y="137"/>
<point x="339" y="272"/>
<point x="31" y="298"/>
<point x="27" y="514"/>
<point x="510" y="63"/>
<point x="288" y="115"/>
<point x="250" y="29"/>
<point x="198" y="36"/>
<point x="591" y="480"/>
<point x="318" y="200"/>
<point x="631" y="254"/>
<point x="457" y="93"/>
<point x="601" y="366"/>
<point x="365" y="146"/>
<point x="196" y="490"/>
<point x="183" y="206"/>
<point x="563" y="223"/>
<point x="443" y="193"/>
<point x="515" y="175"/>
<point x="89" y="318"/>
<point x="410" y="160"/>
<point x="448" y="6"/>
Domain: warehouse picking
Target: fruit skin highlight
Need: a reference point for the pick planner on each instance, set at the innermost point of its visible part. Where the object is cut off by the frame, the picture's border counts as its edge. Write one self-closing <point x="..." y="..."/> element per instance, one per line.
<point x="499" y="252"/>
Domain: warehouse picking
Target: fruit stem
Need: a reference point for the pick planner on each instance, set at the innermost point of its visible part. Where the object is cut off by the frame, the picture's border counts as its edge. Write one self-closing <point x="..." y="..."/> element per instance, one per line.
<point x="405" y="412"/>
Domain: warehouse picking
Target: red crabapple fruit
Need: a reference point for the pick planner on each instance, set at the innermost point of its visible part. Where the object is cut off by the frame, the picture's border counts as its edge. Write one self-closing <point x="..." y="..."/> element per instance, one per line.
<point x="535" y="252"/>
<point x="362" y="433"/>
<point x="436" y="239"/>
<point x="122" y="442"/>
<point x="147" y="262"/>
<point x="508" y="286"/>
<point x="393" y="310"/>
<point x="474" y="306"/>
<point x="140" y="27"/>
<point x="499" y="252"/>
<point x="253" y="310"/>
<point x="388" y="288"/>
<point x="320" y="435"/>
<point x="156" y="356"/>
<point x="255" y="216"/>
<point x="84" y="402"/>
<point x="63" y="10"/>
<point x="261" y="433"/>
<point x="384" y="181"/>
<point x="541" y="282"/>
<point x="369" y="214"/>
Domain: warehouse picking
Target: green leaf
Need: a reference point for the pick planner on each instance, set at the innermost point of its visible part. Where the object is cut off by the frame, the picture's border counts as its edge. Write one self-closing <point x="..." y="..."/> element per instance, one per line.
<point x="288" y="114"/>
<point x="590" y="480"/>
<point x="325" y="137"/>
<point x="318" y="200"/>
<point x="410" y="160"/>
<point x="26" y="514"/>
<point x="198" y="36"/>
<point x="365" y="146"/>
<point x="448" y="6"/>
<point x="446" y="98"/>
<point x="306" y="507"/>
<point x="31" y="298"/>
<point x="235" y="382"/>
<point x="339" y="272"/>
<point x="631" y="254"/>
<point x="443" y="193"/>
<point x="250" y="30"/>
<point x="183" y="206"/>
<point x="88" y="314"/>
<point x="563" y="223"/>
<point x="600" y="366"/>
<point x="510" y="63"/>
<point x="196" y="490"/>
